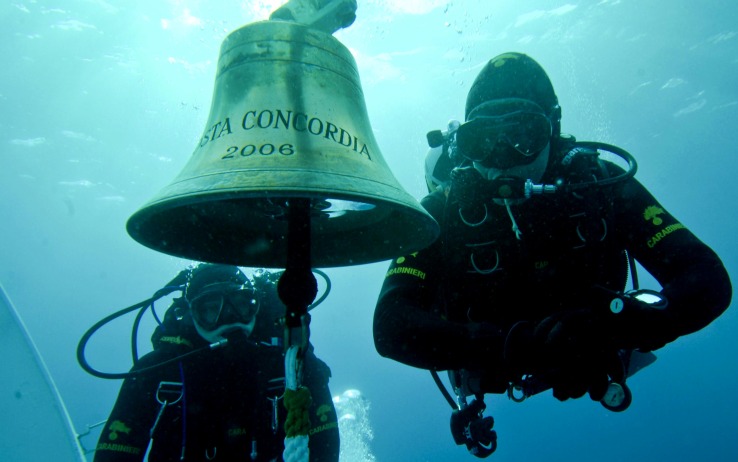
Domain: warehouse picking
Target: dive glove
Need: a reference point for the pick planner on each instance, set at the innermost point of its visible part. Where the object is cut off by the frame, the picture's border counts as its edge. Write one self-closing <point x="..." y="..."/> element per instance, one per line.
<point x="640" y="320"/>
<point x="571" y="351"/>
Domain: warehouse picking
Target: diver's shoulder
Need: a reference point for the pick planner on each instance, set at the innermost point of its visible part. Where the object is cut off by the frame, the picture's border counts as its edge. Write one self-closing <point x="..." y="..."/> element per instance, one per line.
<point x="434" y="203"/>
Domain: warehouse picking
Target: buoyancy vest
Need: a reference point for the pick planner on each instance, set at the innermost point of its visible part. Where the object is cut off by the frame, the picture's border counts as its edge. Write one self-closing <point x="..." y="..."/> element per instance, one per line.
<point x="562" y="249"/>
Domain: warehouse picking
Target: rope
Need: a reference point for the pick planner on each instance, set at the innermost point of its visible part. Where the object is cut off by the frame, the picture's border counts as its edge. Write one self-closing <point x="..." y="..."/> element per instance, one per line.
<point x="296" y="449"/>
<point x="297" y="401"/>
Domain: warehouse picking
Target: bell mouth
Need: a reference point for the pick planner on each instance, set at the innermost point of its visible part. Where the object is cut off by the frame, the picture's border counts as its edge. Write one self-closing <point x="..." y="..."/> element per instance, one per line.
<point x="238" y="229"/>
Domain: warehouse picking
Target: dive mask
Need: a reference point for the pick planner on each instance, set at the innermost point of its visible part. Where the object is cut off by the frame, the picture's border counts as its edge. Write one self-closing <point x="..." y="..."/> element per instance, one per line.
<point x="504" y="133"/>
<point x="224" y="303"/>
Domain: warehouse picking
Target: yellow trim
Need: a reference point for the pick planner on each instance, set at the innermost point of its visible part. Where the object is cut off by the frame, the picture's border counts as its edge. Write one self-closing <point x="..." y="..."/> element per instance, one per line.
<point x="656" y="238"/>
<point x="323" y="428"/>
<point x="405" y="270"/>
<point x="118" y="448"/>
<point x="178" y="340"/>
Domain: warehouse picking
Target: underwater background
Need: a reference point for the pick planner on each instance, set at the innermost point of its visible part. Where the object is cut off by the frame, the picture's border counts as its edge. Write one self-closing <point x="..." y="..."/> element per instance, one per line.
<point x="102" y="103"/>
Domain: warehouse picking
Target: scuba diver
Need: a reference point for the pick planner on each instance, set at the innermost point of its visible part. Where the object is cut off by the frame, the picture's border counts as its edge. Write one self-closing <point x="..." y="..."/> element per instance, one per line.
<point x="525" y="289"/>
<point x="212" y="388"/>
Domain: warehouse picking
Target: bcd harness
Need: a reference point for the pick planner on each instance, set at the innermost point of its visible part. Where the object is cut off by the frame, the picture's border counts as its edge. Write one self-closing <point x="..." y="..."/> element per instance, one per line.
<point x="169" y="394"/>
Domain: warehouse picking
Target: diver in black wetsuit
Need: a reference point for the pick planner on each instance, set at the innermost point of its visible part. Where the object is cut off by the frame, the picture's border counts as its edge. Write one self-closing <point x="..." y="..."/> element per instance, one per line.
<point x="223" y="403"/>
<point x="537" y="233"/>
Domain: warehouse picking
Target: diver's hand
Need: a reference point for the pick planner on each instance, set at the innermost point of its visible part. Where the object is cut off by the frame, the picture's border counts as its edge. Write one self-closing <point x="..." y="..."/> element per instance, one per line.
<point x="572" y="351"/>
<point x="642" y="325"/>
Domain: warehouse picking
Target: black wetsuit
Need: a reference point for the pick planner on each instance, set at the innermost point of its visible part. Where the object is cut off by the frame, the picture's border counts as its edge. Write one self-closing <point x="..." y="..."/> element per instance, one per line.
<point x="450" y="306"/>
<point x="227" y="410"/>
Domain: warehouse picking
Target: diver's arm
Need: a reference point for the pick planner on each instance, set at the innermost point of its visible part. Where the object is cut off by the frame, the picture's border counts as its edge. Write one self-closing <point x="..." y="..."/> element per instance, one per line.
<point x="324" y="440"/>
<point x="125" y="436"/>
<point x="691" y="274"/>
<point x="408" y="331"/>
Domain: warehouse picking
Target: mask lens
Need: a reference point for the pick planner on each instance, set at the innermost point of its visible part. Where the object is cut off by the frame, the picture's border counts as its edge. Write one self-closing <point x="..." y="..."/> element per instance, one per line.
<point x="207" y="308"/>
<point x="506" y="140"/>
<point x="224" y="303"/>
<point x="244" y="303"/>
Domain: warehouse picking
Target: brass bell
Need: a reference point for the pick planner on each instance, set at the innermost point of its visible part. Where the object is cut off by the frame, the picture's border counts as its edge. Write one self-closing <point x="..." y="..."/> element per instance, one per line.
<point x="288" y="121"/>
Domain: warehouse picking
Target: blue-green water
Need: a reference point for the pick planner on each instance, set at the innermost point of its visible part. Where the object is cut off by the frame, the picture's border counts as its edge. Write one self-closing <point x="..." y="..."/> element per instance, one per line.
<point x="101" y="104"/>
